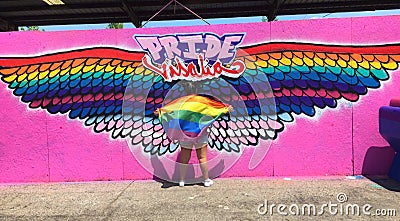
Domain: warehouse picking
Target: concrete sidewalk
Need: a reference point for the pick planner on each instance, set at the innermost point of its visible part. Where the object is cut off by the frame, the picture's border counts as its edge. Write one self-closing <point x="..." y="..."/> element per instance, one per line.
<point x="227" y="199"/>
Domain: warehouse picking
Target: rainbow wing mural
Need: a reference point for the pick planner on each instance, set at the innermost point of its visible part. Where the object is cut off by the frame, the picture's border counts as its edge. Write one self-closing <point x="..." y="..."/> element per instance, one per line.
<point x="90" y="85"/>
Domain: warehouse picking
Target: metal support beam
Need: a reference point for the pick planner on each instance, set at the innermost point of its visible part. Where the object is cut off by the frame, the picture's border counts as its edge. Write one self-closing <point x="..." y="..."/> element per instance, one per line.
<point x="25" y="13"/>
<point x="273" y="11"/>
<point x="132" y="15"/>
<point x="59" y="8"/>
<point x="91" y="18"/>
<point x="7" y="26"/>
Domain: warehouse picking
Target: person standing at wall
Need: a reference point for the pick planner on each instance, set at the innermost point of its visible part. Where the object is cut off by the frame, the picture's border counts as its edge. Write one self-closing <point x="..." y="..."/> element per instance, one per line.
<point x="186" y="119"/>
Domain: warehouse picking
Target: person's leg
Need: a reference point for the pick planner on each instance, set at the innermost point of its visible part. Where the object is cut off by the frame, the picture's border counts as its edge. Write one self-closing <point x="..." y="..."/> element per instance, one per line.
<point x="186" y="152"/>
<point x="202" y="156"/>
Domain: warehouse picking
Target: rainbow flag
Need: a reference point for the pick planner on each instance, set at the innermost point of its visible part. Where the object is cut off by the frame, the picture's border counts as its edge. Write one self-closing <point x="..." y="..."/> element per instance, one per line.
<point x="186" y="118"/>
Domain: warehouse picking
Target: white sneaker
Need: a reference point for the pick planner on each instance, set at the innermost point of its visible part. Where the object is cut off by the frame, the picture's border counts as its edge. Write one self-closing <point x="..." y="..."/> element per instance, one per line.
<point x="181" y="183"/>
<point x="208" y="182"/>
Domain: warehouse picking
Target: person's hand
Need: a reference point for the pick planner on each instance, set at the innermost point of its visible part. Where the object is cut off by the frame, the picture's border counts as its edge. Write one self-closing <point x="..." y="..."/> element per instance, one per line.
<point x="156" y="112"/>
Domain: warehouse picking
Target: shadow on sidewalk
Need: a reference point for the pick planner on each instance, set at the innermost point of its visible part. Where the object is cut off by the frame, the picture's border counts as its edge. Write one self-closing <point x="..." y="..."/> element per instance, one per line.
<point x="385" y="182"/>
<point x="161" y="175"/>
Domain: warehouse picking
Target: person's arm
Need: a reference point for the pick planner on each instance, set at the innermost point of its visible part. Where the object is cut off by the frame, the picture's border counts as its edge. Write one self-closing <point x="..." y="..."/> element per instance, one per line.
<point x="156" y="112"/>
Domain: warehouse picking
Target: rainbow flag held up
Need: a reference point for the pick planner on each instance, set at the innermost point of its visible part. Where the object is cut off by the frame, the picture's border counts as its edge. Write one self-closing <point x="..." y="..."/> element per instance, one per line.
<point x="186" y="118"/>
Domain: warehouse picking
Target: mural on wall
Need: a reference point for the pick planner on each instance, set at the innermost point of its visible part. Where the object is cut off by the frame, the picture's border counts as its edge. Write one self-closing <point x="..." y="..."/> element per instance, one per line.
<point x="90" y="84"/>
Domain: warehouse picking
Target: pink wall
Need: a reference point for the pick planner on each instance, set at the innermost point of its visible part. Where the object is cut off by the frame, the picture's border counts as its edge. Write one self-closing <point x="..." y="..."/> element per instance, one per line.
<point x="36" y="146"/>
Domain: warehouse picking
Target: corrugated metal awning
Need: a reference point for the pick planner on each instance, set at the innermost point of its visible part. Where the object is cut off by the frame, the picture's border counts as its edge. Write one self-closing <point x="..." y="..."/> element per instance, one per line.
<point x="37" y="12"/>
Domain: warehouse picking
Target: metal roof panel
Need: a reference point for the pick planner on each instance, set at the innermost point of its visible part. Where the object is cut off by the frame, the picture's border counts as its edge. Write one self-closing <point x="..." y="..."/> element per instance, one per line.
<point x="36" y="12"/>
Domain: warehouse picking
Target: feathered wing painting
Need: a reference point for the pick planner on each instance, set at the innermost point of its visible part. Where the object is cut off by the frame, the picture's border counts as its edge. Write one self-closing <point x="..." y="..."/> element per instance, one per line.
<point x="111" y="90"/>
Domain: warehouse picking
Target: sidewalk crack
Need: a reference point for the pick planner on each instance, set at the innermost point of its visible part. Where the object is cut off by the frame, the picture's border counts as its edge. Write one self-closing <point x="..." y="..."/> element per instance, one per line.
<point x="110" y="210"/>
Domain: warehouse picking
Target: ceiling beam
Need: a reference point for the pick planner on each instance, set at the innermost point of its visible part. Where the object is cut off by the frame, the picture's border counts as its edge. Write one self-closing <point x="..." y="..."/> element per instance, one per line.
<point x="343" y="5"/>
<point x="168" y="13"/>
<point x="230" y="11"/>
<point x="313" y="8"/>
<point x="69" y="21"/>
<point x="136" y="11"/>
<point x="59" y="7"/>
<point x="7" y="26"/>
<point x="130" y="12"/>
<point x="93" y="18"/>
<point x="150" y="4"/>
<point x="273" y="11"/>
<point x="160" y="3"/>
